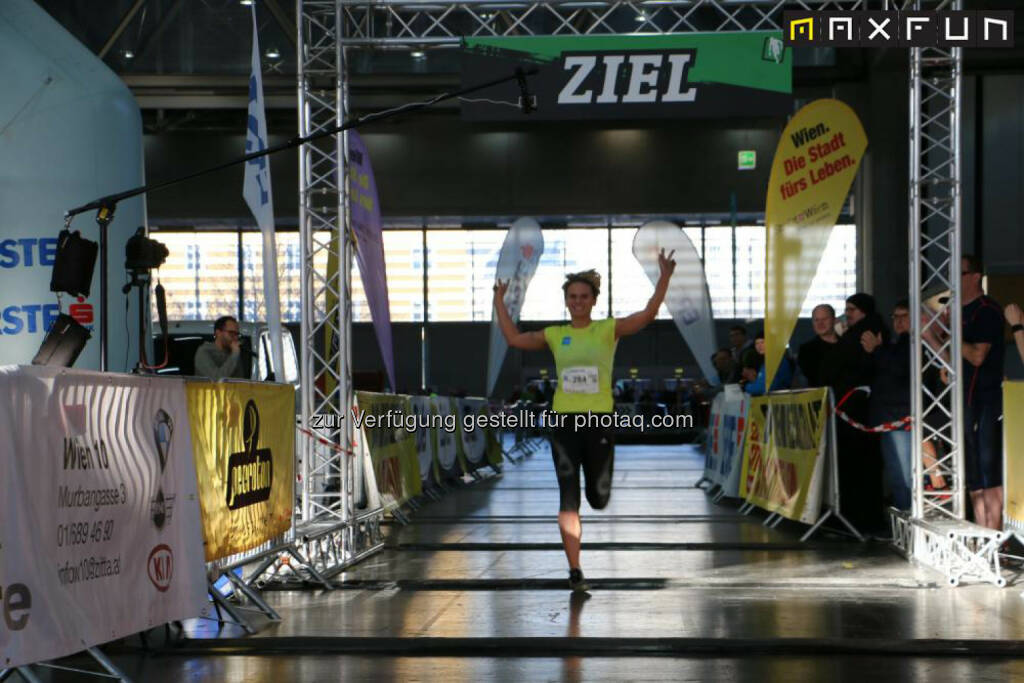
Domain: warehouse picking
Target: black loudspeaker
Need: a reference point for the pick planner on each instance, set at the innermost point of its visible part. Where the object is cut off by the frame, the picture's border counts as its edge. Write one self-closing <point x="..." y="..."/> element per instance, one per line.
<point x="63" y="343"/>
<point x="74" y="264"/>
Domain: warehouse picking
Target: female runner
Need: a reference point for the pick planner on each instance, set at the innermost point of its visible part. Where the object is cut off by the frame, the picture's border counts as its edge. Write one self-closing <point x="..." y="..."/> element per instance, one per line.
<point x="584" y="352"/>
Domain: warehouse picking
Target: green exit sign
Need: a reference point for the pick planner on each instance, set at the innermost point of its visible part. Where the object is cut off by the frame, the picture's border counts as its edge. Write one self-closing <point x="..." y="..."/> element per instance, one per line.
<point x="747" y="160"/>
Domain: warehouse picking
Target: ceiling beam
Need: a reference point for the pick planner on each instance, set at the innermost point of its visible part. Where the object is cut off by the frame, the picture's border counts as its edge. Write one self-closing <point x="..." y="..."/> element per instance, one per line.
<point x="125" y="21"/>
<point x="290" y="31"/>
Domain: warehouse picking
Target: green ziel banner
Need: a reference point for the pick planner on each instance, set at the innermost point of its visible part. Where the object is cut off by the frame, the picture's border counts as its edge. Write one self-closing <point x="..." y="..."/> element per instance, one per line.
<point x="632" y="76"/>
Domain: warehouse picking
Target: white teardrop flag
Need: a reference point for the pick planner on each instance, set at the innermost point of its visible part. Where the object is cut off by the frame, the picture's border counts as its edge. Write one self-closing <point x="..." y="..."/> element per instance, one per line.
<point x="687" y="298"/>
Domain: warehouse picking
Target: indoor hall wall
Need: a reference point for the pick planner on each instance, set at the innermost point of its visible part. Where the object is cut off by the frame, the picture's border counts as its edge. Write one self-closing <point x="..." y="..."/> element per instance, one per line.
<point x="999" y="177"/>
<point x="438" y="165"/>
<point x="881" y="201"/>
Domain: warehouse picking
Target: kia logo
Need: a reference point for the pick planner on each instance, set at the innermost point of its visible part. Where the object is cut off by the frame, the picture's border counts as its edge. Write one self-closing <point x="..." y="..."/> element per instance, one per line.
<point x="160" y="566"/>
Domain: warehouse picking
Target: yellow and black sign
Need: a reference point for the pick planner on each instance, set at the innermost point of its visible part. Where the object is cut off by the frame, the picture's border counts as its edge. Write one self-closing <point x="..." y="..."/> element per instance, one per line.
<point x="391" y="443"/>
<point x="1013" y="443"/>
<point x="243" y="442"/>
<point x="815" y="164"/>
<point x="782" y="460"/>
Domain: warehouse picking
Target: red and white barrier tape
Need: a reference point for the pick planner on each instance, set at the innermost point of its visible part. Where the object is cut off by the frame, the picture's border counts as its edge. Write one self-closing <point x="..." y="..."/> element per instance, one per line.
<point x="330" y="444"/>
<point x="902" y="424"/>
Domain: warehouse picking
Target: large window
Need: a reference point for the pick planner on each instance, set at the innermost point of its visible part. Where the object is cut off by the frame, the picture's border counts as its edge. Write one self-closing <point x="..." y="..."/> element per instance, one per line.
<point x="200" y="275"/>
<point x="632" y="288"/>
<point x="403" y="254"/>
<point x="211" y="273"/>
<point x="718" y="259"/>
<point x="566" y="251"/>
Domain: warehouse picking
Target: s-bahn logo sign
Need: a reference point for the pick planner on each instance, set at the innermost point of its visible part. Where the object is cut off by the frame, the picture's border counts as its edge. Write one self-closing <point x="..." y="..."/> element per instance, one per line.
<point x="981" y="28"/>
<point x="632" y="76"/>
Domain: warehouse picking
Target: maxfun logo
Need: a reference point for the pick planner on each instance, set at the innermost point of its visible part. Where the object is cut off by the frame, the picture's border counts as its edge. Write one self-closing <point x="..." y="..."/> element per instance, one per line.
<point x="982" y="28"/>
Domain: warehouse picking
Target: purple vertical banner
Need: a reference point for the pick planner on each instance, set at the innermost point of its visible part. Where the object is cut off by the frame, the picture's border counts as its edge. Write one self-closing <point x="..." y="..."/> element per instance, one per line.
<point x="366" y="226"/>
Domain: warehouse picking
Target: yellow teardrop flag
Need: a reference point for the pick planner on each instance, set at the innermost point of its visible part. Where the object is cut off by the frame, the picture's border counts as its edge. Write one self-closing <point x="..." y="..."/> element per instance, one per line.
<point x="815" y="163"/>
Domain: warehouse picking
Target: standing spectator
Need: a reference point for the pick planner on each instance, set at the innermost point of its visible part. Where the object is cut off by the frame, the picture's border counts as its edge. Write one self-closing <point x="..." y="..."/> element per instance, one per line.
<point x="817" y="357"/>
<point x="727" y="369"/>
<point x="754" y="374"/>
<point x="1015" y="318"/>
<point x="738" y="343"/>
<point x="983" y="398"/>
<point x="860" y="455"/>
<point x="854" y="367"/>
<point x="890" y="401"/>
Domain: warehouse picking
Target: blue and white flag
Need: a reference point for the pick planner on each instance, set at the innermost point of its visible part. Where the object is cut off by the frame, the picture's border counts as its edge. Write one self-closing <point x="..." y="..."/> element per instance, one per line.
<point x="258" y="195"/>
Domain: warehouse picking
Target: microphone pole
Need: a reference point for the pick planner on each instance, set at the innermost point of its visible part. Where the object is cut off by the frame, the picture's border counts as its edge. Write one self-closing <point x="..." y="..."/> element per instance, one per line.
<point x="106" y="206"/>
<point x="110" y="201"/>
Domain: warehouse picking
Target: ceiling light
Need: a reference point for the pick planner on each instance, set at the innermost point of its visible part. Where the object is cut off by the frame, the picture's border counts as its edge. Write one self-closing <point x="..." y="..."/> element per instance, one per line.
<point x="246" y="3"/>
<point x="272" y="53"/>
<point x="640" y="18"/>
<point x="419" y="54"/>
<point x="128" y="54"/>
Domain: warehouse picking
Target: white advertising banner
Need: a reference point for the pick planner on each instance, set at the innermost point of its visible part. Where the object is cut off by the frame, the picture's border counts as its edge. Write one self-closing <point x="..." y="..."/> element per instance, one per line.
<point x="447" y="449"/>
<point x="517" y="262"/>
<point x="420" y="406"/>
<point x="727" y="428"/>
<point x="101" y="533"/>
<point x="473" y="441"/>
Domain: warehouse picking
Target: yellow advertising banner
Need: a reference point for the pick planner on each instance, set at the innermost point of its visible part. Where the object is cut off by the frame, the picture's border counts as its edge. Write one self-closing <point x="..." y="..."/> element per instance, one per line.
<point x="390" y="436"/>
<point x="1013" y="443"/>
<point x="243" y="443"/>
<point x="815" y="164"/>
<point x="783" y="463"/>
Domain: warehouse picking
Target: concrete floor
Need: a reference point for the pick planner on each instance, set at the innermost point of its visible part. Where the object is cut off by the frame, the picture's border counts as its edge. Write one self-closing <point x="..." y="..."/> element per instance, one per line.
<point x="475" y="589"/>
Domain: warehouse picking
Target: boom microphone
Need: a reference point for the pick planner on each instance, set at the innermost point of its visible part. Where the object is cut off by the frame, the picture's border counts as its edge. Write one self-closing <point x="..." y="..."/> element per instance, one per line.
<point x="161" y="310"/>
<point x="525" y="98"/>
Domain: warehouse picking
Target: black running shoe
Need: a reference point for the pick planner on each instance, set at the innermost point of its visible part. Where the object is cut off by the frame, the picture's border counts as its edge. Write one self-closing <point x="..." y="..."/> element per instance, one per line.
<point x="577" y="582"/>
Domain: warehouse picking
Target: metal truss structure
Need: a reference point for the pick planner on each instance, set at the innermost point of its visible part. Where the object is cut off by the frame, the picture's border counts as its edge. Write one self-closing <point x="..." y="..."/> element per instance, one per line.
<point x="938" y="536"/>
<point x="325" y="372"/>
<point x="327" y="28"/>
<point x="401" y="24"/>
<point x="960" y="550"/>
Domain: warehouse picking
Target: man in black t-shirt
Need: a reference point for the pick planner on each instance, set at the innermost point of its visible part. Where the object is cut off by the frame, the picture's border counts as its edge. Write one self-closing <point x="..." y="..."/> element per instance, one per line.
<point x="983" y="398"/>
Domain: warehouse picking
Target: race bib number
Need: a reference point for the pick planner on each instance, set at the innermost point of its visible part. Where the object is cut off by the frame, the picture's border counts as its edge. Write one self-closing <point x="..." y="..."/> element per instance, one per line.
<point x="580" y="380"/>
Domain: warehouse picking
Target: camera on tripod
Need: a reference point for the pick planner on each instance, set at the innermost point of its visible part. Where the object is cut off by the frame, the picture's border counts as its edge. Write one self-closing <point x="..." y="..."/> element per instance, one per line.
<point x="142" y="253"/>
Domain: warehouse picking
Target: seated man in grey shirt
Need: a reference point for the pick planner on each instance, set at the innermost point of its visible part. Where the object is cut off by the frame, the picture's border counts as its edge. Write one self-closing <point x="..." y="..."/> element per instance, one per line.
<point x="222" y="357"/>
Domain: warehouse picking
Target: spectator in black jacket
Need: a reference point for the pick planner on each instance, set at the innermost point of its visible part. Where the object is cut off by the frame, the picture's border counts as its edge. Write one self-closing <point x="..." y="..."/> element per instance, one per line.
<point x="860" y="456"/>
<point x="817" y="356"/>
<point x="890" y="401"/>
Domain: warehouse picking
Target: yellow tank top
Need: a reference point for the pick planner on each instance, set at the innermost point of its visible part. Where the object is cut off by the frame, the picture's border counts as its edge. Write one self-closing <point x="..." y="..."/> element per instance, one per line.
<point x="584" y="359"/>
